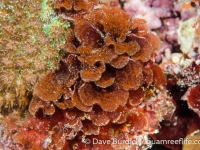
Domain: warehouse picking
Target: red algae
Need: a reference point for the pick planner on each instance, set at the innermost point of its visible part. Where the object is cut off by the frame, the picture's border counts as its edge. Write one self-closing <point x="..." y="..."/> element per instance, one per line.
<point x="105" y="87"/>
<point x="193" y="98"/>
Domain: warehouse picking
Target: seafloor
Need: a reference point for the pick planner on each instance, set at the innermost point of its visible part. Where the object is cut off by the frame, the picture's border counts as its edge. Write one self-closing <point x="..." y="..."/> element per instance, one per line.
<point x="99" y="74"/>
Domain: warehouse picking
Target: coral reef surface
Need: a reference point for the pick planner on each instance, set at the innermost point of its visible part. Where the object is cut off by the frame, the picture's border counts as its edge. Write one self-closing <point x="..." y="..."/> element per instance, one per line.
<point x="99" y="74"/>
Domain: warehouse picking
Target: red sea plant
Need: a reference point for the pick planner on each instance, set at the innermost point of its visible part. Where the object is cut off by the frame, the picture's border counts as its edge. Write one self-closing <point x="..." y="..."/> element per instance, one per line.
<point x="193" y="98"/>
<point x="106" y="86"/>
<point x="183" y="86"/>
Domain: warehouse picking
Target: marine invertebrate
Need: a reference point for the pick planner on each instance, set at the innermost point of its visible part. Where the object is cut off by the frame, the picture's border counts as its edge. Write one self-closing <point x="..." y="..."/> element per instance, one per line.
<point x="31" y="39"/>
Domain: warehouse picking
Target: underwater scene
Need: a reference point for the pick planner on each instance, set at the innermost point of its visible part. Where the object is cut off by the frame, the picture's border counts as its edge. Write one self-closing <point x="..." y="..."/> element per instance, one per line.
<point x="99" y="74"/>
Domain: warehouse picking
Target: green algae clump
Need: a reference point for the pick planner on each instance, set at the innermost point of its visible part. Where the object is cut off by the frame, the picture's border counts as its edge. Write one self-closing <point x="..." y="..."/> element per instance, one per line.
<point x="31" y="41"/>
